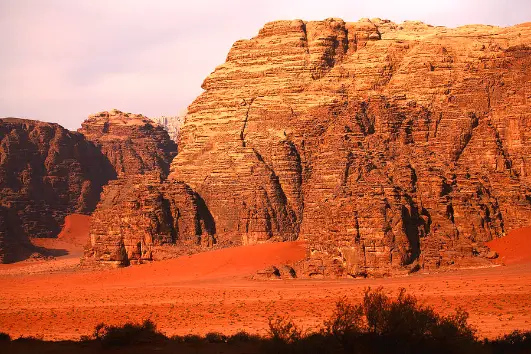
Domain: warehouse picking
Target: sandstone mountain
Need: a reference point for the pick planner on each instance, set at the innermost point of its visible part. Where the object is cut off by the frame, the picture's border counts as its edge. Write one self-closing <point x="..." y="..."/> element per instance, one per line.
<point x="386" y="146"/>
<point x="136" y="212"/>
<point x="46" y="172"/>
<point x="139" y="215"/>
<point x="132" y="142"/>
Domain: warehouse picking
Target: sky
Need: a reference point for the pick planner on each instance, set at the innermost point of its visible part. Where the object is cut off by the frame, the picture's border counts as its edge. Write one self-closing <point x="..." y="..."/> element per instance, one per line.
<point x="61" y="60"/>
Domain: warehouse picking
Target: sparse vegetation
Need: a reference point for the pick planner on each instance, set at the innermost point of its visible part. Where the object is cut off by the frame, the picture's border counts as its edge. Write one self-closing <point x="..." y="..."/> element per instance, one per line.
<point x="378" y="324"/>
<point x="284" y="330"/>
<point x="127" y="334"/>
<point x="512" y="343"/>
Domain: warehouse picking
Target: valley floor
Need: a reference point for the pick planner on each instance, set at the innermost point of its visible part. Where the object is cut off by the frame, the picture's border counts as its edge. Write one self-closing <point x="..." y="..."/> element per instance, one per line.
<point x="212" y="292"/>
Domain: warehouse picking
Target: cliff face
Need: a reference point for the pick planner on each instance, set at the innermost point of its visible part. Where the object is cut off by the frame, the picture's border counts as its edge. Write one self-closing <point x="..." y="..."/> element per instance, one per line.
<point x="138" y="215"/>
<point x="134" y="215"/>
<point x="171" y="124"/>
<point x="134" y="144"/>
<point x="46" y="172"/>
<point x="387" y="147"/>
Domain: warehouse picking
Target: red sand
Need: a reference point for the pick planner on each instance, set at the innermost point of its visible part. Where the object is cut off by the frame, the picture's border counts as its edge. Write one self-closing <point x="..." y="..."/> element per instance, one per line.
<point x="213" y="292"/>
<point x="73" y="236"/>
<point x="76" y="229"/>
<point x="515" y="248"/>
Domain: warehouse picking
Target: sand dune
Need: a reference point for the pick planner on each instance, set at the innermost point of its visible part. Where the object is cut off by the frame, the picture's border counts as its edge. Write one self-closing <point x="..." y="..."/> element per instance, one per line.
<point x="515" y="248"/>
<point x="73" y="236"/>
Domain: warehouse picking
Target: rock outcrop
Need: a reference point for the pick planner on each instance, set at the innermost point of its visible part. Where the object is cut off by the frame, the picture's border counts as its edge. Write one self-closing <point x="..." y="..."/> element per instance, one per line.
<point x="387" y="147"/>
<point x="46" y="173"/>
<point x="171" y="124"/>
<point x="133" y="143"/>
<point x="138" y="215"/>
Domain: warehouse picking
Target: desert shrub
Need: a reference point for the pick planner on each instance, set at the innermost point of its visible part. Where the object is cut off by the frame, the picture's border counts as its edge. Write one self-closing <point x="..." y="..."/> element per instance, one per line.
<point x="375" y="308"/>
<point x="215" y="337"/>
<point x="345" y="323"/>
<point x="284" y="330"/>
<point x="29" y="339"/>
<point x="243" y="336"/>
<point x="4" y="337"/>
<point x="190" y="338"/>
<point x="128" y="334"/>
<point x="385" y="324"/>
<point x="514" y="342"/>
<point x="85" y="339"/>
<point x="346" y="318"/>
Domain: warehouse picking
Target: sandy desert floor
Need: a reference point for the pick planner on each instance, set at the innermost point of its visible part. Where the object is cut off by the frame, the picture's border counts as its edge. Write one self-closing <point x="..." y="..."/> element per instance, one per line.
<point x="213" y="292"/>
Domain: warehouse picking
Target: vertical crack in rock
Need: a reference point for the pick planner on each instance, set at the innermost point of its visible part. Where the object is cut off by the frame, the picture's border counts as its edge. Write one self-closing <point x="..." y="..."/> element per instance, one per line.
<point x="242" y="132"/>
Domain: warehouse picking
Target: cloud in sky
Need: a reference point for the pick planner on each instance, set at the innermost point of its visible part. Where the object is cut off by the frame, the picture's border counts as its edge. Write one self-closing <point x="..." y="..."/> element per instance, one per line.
<point x="62" y="60"/>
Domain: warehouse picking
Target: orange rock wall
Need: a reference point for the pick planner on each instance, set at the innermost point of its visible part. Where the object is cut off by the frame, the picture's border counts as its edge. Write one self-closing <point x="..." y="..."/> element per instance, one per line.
<point x="387" y="147"/>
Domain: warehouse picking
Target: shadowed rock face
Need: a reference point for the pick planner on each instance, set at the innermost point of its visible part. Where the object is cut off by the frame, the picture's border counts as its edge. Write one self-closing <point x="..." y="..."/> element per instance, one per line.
<point x="46" y="173"/>
<point x="134" y="144"/>
<point x="387" y="147"/>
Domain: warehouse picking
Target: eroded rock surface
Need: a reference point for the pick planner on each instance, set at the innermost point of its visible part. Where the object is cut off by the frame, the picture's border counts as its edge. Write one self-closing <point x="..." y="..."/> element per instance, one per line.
<point x="388" y="147"/>
<point x="46" y="173"/>
<point x="171" y="124"/>
<point x="140" y="214"/>
<point x="133" y="143"/>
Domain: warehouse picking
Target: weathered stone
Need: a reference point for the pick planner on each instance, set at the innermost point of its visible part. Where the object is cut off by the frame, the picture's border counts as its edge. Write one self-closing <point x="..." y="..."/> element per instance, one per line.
<point x="46" y="173"/>
<point x="133" y="143"/>
<point x="138" y="214"/>
<point x="382" y="145"/>
<point x="271" y="272"/>
<point x="287" y="272"/>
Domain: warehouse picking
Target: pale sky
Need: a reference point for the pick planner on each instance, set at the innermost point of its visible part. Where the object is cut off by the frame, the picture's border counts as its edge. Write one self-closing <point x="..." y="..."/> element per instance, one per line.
<point x="61" y="60"/>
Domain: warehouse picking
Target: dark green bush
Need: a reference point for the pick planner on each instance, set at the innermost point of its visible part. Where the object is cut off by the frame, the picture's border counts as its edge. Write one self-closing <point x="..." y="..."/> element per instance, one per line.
<point x="378" y="324"/>
<point x="243" y="336"/>
<point x="192" y="338"/>
<point x="345" y="319"/>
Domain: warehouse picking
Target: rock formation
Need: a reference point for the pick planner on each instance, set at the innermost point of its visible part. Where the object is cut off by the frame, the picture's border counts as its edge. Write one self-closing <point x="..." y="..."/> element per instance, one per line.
<point x="136" y="214"/>
<point x="140" y="213"/>
<point x="171" y="124"/>
<point x="132" y="142"/>
<point x="388" y="147"/>
<point x="46" y="172"/>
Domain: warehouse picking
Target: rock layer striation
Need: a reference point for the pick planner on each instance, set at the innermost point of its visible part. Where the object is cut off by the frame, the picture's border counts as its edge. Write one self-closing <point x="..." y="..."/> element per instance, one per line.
<point x="133" y="143"/>
<point x="387" y="147"/>
<point x="46" y="173"/>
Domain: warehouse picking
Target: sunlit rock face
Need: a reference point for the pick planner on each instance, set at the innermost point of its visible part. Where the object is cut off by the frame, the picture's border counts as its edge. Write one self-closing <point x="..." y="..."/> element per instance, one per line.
<point x="140" y="215"/>
<point x="133" y="143"/>
<point x="388" y="147"/>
